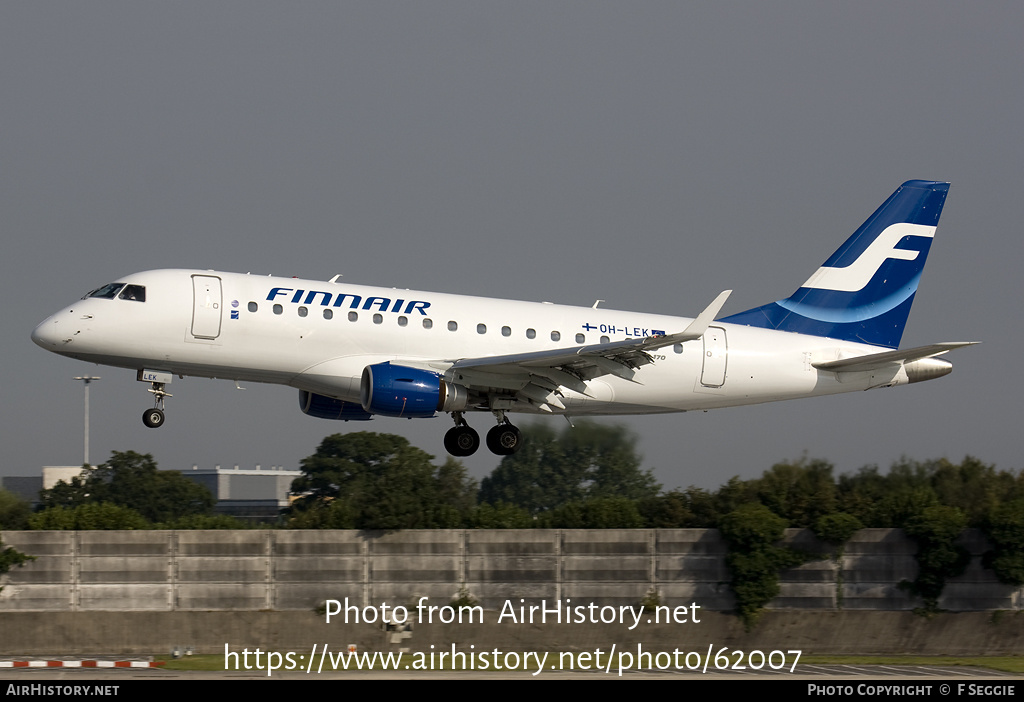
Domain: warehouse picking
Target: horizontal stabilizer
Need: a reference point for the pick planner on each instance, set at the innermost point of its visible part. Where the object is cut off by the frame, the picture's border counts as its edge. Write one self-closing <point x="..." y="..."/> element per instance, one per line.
<point x="873" y="361"/>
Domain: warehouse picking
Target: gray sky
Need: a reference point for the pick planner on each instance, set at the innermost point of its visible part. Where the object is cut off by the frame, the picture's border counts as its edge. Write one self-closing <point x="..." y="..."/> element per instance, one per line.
<point x="649" y="154"/>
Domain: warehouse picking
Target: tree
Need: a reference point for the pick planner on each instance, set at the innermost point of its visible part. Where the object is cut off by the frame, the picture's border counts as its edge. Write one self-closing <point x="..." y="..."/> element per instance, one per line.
<point x="887" y="501"/>
<point x="132" y="480"/>
<point x="89" y="516"/>
<point x="594" y="513"/>
<point x="754" y="560"/>
<point x="14" y="511"/>
<point x="973" y="487"/>
<point x="1005" y="529"/>
<point x="500" y="516"/>
<point x="938" y="557"/>
<point x="837" y="528"/>
<point x="366" y="480"/>
<point x="801" y="492"/>
<point x="586" y="461"/>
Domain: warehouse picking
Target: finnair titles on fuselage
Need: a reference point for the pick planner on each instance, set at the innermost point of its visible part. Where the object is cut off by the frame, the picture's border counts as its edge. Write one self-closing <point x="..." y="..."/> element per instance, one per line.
<point x="356" y="352"/>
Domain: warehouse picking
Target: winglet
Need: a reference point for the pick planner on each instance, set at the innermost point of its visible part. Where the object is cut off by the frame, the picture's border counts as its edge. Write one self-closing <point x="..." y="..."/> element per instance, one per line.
<point x="700" y="325"/>
<point x="696" y="328"/>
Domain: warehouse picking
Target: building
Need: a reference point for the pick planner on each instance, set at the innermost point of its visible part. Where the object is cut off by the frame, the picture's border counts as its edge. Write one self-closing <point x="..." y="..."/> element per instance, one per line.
<point x="257" y="494"/>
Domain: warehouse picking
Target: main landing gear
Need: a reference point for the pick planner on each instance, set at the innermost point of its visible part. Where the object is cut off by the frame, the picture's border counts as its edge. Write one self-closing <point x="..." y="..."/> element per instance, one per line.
<point x="462" y="440"/>
<point x="154" y="418"/>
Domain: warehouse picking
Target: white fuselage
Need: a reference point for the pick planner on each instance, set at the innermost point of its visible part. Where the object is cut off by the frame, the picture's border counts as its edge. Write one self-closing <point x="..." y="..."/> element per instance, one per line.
<point x="319" y="336"/>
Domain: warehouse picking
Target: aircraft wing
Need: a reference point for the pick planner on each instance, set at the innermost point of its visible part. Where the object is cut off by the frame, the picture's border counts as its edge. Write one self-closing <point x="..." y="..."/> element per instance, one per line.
<point x="873" y="361"/>
<point x="537" y="377"/>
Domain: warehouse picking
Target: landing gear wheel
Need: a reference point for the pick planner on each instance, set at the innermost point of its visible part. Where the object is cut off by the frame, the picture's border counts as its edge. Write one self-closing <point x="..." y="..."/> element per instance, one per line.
<point x="504" y="439"/>
<point x="153" y="418"/>
<point x="461" y="441"/>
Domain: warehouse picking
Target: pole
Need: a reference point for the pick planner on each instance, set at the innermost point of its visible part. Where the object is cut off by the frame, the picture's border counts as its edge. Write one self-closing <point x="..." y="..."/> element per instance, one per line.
<point x="86" y="379"/>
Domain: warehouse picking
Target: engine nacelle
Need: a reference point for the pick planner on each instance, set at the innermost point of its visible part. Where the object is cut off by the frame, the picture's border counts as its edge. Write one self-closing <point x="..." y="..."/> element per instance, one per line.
<point x="400" y="391"/>
<point x="330" y="408"/>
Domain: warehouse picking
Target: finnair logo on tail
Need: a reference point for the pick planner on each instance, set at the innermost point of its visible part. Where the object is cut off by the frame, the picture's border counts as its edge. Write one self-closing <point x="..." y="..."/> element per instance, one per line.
<point x="858" y="274"/>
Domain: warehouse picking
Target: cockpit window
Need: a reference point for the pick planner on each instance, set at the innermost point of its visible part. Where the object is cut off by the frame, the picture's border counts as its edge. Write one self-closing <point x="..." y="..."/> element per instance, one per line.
<point x="107" y="292"/>
<point x="134" y="292"/>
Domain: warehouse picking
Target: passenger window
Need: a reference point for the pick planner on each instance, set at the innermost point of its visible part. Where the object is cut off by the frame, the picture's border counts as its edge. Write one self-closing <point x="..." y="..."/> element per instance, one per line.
<point x="428" y="323"/>
<point x="328" y="314"/>
<point x="580" y="338"/>
<point x="378" y="318"/>
<point x="253" y="307"/>
<point x="403" y="321"/>
<point x="481" y="328"/>
<point x="278" y="309"/>
<point x="353" y="316"/>
<point x="136" y="293"/>
<point x="303" y="311"/>
<point x="531" y="333"/>
<point x="605" y="339"/>
<point x="506" y="331"/>
<point x="555" y="336"/>
<point x="678" y="348"/>
<point x="453" y="326"/>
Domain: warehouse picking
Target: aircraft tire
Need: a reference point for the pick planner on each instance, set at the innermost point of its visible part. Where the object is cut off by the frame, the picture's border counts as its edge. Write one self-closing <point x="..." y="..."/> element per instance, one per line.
<point x="504" y="439"/>
<point x="461" y="441"/>
<point x="153" y="418"/>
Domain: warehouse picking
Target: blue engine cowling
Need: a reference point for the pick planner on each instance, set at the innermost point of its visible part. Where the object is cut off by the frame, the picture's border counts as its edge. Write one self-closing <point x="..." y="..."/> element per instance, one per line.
<point x="330" y="408"/>
<point x="400" y="391"/>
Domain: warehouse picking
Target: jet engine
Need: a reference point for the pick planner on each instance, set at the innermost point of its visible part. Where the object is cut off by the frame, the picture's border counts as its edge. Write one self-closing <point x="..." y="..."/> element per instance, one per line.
<point x="400" y="391"/>
<point x="330" y="408"/>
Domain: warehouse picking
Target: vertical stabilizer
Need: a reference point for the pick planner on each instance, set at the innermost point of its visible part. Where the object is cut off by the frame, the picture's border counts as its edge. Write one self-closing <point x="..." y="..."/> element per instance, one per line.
<point x="864" y="291"/>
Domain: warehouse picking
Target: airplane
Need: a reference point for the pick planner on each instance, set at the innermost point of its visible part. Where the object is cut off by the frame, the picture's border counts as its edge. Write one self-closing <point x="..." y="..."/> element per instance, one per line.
<point x="355" y="352"/>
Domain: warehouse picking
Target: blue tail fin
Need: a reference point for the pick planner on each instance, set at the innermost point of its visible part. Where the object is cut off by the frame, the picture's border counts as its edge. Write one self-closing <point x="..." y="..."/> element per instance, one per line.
<point x="864" y="291"/>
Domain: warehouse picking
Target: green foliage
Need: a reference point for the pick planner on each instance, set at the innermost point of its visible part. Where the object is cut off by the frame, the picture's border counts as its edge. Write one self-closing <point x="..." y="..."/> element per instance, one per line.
<point x="14" y="511"/>
<point x="500" y="516"/>
<point x="972" y="487"/>
<point x="910" y="487"/>
<point x="11" y="557"/>
<point x="752" y="530"/>
<point x="837" y="528"/>
<point x="887" y="501"/>
<point x="366" y="480"/>
<point x="132" y="480"/>
<point x="205" y="521"/>
<point x="92" y="515"/>
<point x="651" y="600"/>
<point x="595" y="513"/>
<point x="938" y="558"/>
<point x="586" y="461"/>
<point x="801" y="492"/>
<point x="695" y="508"/>
<point x="1005" y="529"/>
<point x="752" y="527"/>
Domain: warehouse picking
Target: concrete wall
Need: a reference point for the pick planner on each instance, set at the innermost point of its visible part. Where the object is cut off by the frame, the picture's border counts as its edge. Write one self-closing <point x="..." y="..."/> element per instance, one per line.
<point x="273" y="570"/>
<point x="813" y="633"/>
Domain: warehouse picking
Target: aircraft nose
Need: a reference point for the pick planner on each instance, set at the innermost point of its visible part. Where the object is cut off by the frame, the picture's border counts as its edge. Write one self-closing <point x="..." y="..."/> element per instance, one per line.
<point x="47" y="333"/>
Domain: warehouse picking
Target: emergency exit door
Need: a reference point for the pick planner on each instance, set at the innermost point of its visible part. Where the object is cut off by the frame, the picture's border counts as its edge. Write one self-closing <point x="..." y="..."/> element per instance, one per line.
<point x="716" y="354"/>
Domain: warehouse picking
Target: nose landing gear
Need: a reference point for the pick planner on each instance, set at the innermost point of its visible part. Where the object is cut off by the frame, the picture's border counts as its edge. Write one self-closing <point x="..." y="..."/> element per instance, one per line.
<point x="154" y="418"/>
